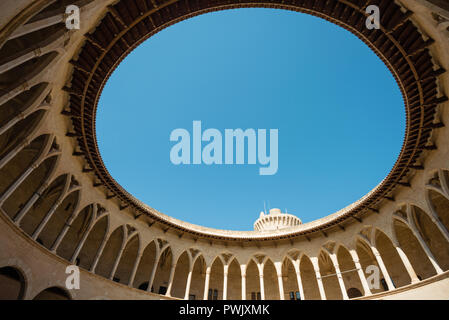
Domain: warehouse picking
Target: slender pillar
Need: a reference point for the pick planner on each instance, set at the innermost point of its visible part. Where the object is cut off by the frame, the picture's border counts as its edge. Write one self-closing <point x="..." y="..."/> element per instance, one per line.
<point x="360" y="272"/>
<point x="281" y="286"/>
<point x="278" y="267"/>
<point x="408" y="266"/>
<point x="243" y="272"/>
<point x="153" y="272"/>
<point x="81" y="243"/>
<point x="64" y="230"/>
<point x="21" y="116"/>
<point x="37" y="25"/>
<point x="118" y="258"/>
<point x="441" y="174"/>
<point x="262" y="287"/>
<point x="48" y="216"/>
<point x="14" y="152"/>
<point x="189" y="280"/>
<point x="12" y="93"/>
<point x="83" y="240"/>
<point x="421" y="241"/>
<point x="316" y="267"/>
<point x="339" y="276"/>
<point x="243" y="286"/>
<point x="299" y="280"/>
<point x="426" y="249"/>
<point x="206" y="284"/>
<point x="261" y="282"/>
<point x="225" y="282"/>
<point x="440" y="227"/>
<point x="170" y="279"/>
<point x="381" y="264"/>
<point x="99" y="253"/>
<point x="50" y="213"/>
<point x="18" y="218"/>
<point x="42" y="48"/>
<point x="19" y="181"/>
<point x="135" y="266"/>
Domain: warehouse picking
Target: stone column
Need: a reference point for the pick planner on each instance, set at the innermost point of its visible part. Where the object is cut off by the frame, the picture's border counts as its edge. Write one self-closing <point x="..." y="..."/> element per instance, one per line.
<point x="278" y="266"/>
<point x="316" y="267"/>
<point x="426" y="249"/>
<point x="421" y="241"/>
<point x="48" y="216"/>
<point x="119" y="256"/>
<point x="408" y="266"/>
<point x="243" y="272"/>
<point x="62" y="234"/>
<point x="339" y="276"/>
<point x="439" y="225"/>
<point x="225" y="282"/>
<point x="170" y="279"/>
<point x="262" y="287"/>
<point x="189" y="280"/>
<point x="52" y="210"/>
<point x="81" y="243"/>
<point x="37" y="25"/>
<point x="381" y="264"/>
<point x="41" y="49"/>
<point x="135" y="266"/>
<point x="299" y="280"/>
<point x="206" y="284"/>
<point x="14" y="152"/>
<point x="19" y="181"/>
<point x="360" y="272"/>
<point x="261" y="282"/>
<point x="441" y="175"/>
<point x="153" y="272"/>
<point x="281" y="286"/>
<point x="99" y="252"/>
<point x="29" y="203"/>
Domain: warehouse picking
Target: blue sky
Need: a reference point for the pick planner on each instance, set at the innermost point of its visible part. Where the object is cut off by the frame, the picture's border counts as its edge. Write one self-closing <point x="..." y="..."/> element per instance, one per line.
<point x="339" y="113"/>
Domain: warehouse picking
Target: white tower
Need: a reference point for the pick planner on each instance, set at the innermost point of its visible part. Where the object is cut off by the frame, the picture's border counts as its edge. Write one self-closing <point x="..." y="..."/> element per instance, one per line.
<point x="275" y="220"/>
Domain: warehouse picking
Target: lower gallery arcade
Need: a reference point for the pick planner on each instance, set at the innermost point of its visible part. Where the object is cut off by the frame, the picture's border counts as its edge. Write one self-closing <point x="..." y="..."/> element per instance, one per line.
<point x="58" y="209"/>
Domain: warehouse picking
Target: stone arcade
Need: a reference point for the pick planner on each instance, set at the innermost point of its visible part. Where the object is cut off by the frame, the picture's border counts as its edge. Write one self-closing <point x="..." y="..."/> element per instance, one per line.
<point x="59" y="206"/>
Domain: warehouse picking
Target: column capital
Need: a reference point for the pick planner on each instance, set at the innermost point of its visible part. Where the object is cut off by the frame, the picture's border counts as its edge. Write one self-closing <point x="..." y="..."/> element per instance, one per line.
<point x="37" y="52"/>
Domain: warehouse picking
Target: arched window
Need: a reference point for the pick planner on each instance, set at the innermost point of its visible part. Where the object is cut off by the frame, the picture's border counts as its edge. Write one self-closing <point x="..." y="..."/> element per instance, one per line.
<point x="12" y="284"/>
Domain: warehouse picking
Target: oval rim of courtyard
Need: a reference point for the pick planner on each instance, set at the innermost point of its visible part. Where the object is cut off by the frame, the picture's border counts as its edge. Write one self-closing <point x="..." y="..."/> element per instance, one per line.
<point x="310" y="22"/>
<point x="324" y="222"/>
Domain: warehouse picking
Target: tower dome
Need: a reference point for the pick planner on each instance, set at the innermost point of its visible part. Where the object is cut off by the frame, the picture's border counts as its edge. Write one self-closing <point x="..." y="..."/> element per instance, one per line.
<point x="276" y="220"/>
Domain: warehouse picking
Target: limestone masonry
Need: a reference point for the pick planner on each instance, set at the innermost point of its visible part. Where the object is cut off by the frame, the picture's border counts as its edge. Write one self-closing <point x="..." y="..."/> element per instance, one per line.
<point x="60" y="207"/>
